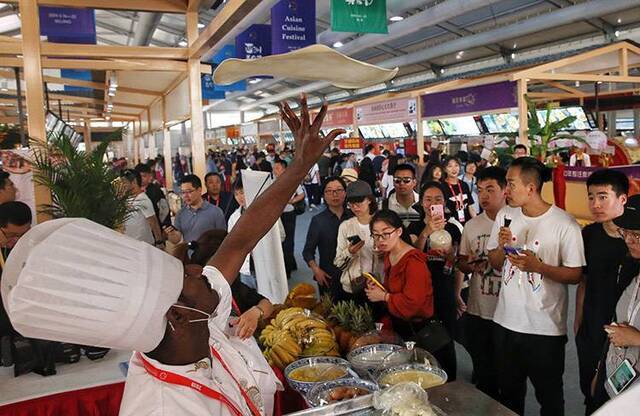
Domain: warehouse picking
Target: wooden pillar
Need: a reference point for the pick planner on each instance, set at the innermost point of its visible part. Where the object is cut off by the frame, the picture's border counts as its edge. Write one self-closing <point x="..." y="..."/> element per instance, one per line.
<point x="195" y="96"/>
<point x="87" y="134"/>
<point x="522" y="113"/>
<point x="34" y="91"/>
<point x="419" y="132"/>
<point x="624" y="62"/>
<point x="166" y="143"/>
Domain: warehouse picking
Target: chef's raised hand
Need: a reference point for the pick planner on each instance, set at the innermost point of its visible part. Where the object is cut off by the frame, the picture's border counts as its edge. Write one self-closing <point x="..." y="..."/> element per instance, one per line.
<point x="308" y="142"/>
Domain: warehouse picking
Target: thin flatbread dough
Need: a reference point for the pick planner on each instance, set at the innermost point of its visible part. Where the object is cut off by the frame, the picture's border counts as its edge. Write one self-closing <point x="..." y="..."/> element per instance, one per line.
<point x="313" y="63"/>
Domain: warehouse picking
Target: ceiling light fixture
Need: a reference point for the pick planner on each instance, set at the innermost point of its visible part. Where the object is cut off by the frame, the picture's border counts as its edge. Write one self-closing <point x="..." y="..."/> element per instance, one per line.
<point x="396" y="18"/>
<point x="617" y="33"/>
<point x="442" y="70"/>
<point x="201" y="25"/>
<point x="338" y="44"/>
<point x="619" y="20"/>
<point x="515" y="45"/>
<point x="182" y="43"/>
<point x="577" y="83"/>
<point x="513" y="55"/>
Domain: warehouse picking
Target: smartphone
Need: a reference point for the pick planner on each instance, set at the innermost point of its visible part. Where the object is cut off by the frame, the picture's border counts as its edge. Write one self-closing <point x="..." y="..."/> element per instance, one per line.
<point x="514" y="251"/>
<point x="354" y="239"/>
<point x="437" y="211"/>
<point x="622" y="377"/>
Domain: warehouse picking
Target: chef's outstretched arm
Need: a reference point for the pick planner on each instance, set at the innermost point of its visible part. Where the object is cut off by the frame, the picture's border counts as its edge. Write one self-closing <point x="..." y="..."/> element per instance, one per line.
<point x="267" y="208"/>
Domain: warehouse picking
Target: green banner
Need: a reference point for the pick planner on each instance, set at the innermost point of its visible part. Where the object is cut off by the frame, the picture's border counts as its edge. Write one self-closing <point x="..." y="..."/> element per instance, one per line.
<point x="361" y="16"/>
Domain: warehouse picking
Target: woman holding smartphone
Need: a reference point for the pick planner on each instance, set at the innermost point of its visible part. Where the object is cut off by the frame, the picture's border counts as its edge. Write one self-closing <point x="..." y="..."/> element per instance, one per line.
<point x="440" y="263"/>
<point x="354" y="253"/>
<point x="457" y="194"/>
<point x="408" y="294"/>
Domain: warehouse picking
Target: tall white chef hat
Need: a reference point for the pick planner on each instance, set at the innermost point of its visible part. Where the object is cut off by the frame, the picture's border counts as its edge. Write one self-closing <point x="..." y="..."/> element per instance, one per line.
<point x="73" y="280"/>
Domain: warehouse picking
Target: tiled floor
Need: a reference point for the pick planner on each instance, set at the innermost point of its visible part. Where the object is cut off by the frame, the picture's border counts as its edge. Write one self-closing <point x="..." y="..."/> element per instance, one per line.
<point x="572" y="394"/>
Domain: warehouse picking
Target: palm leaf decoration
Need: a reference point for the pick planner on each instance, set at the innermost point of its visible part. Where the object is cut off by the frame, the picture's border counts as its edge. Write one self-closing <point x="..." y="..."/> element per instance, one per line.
<point x="82" y="184"/>
<point x="542" y="136"/>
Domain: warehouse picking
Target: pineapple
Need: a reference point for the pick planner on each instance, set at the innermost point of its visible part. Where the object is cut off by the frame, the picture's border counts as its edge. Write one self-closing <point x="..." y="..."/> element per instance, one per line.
<point x="324" y="307"/>
<point x="361" y="322"/>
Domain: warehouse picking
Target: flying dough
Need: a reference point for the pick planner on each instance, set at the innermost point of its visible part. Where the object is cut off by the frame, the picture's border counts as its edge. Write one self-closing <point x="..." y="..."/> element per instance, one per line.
<point x="313" y="63"/>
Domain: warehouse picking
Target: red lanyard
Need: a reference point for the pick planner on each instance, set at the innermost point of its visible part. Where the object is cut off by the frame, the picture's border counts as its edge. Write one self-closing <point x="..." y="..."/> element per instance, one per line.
<point x="177" y="379"/>
<point x="458" y="198"/>
<point x="247" y="399"/>
<point x="235" y="307"/>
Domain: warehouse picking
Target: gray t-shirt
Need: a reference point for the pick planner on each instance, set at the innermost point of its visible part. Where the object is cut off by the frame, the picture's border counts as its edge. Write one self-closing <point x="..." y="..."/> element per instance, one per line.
<point x="192" y="223"/>
<point x="136" y="226"/>
<point x="627" y="311"/>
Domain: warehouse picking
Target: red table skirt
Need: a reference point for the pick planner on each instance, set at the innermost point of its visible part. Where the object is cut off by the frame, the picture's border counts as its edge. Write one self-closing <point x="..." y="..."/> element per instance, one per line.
<point x="95" y="401"/>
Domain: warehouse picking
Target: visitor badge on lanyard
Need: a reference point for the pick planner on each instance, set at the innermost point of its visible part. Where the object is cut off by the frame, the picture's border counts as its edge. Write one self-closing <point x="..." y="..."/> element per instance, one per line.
<point x="461" y="215"/>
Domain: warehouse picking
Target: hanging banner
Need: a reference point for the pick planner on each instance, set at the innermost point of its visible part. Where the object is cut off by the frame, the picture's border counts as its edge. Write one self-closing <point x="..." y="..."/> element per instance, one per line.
<point x="209" y="91"/>
<point x="394" y="111"/>
<point x="253" y="43"/>
<point x="340" y="117"/>
<point x="470" y="100"/>
<point x="293" y="25"/>
<point x="248" y="129"/>
<point x="360" y="16"/>
<point x="268" y="127"/>
<point x="228" y="51"/>
<point x="67" y="22"/>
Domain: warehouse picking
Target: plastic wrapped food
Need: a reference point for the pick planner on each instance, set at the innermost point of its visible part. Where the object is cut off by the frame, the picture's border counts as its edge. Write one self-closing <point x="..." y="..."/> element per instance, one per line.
<point x="441" y="240"/>
<point x="377" y="336"/>
<point x="405" y="399"/>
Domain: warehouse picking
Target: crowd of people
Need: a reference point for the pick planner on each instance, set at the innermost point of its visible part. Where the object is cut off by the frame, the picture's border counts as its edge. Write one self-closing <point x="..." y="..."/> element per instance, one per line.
<point x="464" y="252"/>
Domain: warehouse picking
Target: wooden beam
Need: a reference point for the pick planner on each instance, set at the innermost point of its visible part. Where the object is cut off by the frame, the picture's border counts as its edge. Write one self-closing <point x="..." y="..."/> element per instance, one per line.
<point x="87" y="134"/>
<point x="560" y="86"/>
<point x="623" y="58"/>
<point x="164" y="6"/>
<point x="587" y="77"/>
<point x="522" y="113"/>
<point x="534" y="71"/>
<point x="34" y="90"/>
<point x="231" y="14"/>
<point x="194" y="5"/>
<point x="195" y="98"/>
<point x="550" y="95"/>
<point x="105" y="65"/>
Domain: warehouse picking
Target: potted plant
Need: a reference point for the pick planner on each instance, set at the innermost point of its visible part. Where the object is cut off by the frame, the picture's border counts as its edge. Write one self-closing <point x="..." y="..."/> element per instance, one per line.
<point x="82" y="184"/>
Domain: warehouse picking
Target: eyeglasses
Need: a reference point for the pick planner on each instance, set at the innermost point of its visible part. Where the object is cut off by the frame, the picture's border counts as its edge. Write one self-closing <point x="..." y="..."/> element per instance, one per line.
<point x="188" y="191"/>
<point x="383" y="236"/>
<point x="402" y="180"/>
<point x="625" y="234"/>
<point x="334" y="192"/>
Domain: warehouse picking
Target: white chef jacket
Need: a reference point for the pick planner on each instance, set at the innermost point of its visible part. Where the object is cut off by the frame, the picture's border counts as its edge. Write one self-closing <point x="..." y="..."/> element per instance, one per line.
<point x="146" y="395"/>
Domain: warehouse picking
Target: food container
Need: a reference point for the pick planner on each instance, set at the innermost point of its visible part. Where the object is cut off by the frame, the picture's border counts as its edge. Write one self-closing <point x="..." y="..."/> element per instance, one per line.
<point x="304" y="374"/>
<point x="370" y="360"/>
<point x="424" y="375"/>
<point x="331" y="392"/>
<point x="377" y="336"/>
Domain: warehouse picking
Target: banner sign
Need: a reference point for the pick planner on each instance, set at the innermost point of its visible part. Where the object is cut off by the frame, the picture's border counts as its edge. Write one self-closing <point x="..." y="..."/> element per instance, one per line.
<point x="470" y="100"/>
<point x="250" y="129"/>
<point x="580" y="173"/>
<point x="253" y="43"/>
<point x="269" y="127"/>
<point x="360" y="16"/>
<point x="293" y="25"/>
<point x="339" y="117"/>
<point x="394" y="111"/>
<point x="351" y="143"/>
<point x="67" y="22"/>
<point x="209" y="91"/>
<point x="228" y="51"/>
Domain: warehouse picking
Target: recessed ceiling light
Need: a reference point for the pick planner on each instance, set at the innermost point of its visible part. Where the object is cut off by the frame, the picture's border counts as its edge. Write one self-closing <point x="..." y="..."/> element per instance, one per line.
<point x="338" y="44"/>
<point x="396" y="18"/>
<point x="442" y="70"/>
<point x="619" y="20"/>
<point x="182" y="43"/>
<point x="201" y="25"/>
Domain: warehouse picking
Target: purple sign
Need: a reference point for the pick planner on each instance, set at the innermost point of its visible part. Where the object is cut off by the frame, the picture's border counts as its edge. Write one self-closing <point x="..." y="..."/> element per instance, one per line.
<point x="470" y="100"/>
<point x="253" y="43"/>
<point x="293" y="25"/>
<point x="580" y="173"/>
<point x="67" y="22"/>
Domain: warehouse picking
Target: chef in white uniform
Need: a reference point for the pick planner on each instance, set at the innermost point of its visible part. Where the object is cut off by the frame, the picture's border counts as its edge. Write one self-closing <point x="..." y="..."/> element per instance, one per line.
<point x="72" y="280"/>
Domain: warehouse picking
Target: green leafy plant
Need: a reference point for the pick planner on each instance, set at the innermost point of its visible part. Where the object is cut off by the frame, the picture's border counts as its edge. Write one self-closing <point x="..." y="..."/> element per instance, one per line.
<point x="540" y="136"/>
<point x="82" y="184"/>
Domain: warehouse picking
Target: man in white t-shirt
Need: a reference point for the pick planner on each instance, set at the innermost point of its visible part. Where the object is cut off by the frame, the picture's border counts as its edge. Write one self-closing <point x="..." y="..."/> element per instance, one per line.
<point x="485" y="282"/>
<point x="539" y="247"/>
<point x="312" y="186"/>
<point x="141" y="224"/>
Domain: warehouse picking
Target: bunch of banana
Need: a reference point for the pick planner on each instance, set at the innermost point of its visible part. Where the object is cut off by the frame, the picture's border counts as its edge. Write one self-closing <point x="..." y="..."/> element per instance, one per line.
<point x="320" y="342"/>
